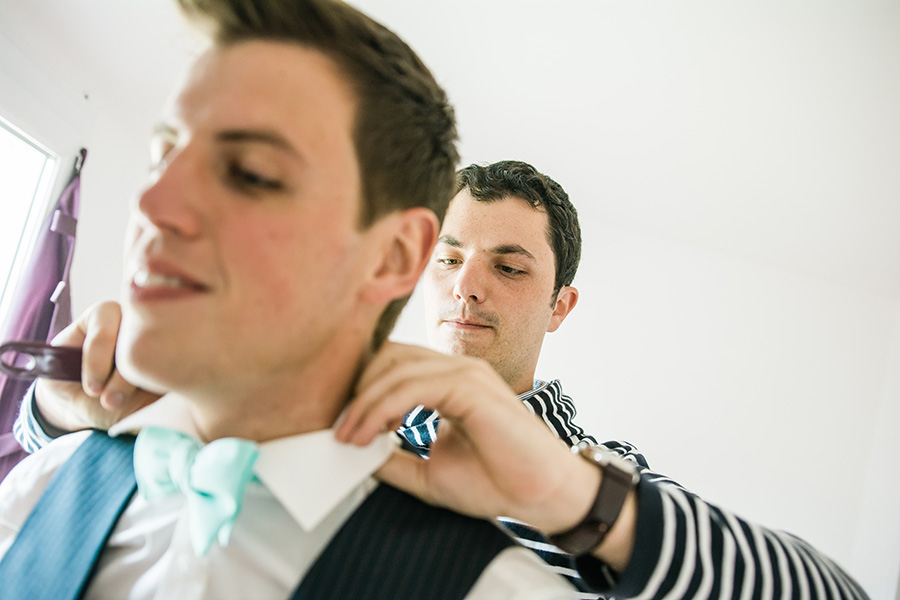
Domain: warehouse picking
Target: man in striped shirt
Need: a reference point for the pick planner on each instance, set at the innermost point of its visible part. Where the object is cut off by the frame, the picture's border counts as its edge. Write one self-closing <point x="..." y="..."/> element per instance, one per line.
<point x="501" y="278"/>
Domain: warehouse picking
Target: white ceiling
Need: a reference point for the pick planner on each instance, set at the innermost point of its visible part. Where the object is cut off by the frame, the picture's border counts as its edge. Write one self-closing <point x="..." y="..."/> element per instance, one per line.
<point x="768" y="131"/>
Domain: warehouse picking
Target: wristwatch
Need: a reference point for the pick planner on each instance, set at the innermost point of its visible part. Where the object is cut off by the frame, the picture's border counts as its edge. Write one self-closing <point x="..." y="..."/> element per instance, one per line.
<point x="619" y="478"/>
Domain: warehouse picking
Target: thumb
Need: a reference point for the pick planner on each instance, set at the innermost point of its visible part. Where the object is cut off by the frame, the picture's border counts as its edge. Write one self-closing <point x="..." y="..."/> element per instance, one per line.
<point x="73" y="335"/>
<point x="405" y="471"/>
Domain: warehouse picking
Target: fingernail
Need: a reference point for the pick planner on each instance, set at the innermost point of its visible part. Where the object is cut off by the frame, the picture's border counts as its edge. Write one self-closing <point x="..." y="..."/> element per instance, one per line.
<point x="115" y="399"/>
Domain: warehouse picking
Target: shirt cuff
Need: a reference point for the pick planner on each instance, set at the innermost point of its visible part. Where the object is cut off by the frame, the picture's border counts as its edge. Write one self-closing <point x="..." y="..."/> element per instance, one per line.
<point x="31" y="429"/>
<point x="648" y="538"/>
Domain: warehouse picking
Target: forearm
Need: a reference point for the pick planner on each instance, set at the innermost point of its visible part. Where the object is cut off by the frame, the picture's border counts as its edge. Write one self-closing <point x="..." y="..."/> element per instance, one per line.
<point x="686" y="548"/>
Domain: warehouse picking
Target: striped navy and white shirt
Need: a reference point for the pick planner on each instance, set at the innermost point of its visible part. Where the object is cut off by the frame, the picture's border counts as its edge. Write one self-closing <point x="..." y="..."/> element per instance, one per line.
<point x="685" y="548"/>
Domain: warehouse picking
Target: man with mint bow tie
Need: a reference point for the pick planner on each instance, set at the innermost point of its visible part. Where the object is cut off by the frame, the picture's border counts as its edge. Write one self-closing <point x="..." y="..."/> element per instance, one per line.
<point x="291" y="208"/>
<point x="293" y="203"/>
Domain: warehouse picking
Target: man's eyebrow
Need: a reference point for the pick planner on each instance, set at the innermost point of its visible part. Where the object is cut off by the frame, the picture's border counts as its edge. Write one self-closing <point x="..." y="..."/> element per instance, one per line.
<point x="512" y="249"/>
<point x="451" y="241"/>
<point x="260" y="136"/>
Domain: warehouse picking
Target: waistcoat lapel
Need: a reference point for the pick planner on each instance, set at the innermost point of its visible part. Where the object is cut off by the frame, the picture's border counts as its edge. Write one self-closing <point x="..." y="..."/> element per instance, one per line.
<point x="395" y="546"/>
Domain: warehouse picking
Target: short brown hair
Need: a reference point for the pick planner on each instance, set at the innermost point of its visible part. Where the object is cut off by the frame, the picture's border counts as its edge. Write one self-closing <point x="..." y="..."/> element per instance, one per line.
<point x="514" y="178"/>
<point x="404" y="131"/>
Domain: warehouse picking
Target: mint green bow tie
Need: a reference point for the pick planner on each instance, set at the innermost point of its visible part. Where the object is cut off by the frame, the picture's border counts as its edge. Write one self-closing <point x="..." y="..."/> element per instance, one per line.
<point x="212" y="477"/>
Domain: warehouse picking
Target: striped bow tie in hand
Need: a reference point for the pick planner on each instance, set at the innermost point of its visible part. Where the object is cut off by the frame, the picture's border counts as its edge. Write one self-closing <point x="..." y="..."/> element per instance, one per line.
<point x="212" y="477"/>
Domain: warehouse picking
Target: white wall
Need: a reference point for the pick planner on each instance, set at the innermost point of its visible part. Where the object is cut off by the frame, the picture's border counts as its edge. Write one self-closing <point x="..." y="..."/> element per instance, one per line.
<point x="767" y="391"/>
<point x="65" y="64"/>
<point x="737" y="170"/>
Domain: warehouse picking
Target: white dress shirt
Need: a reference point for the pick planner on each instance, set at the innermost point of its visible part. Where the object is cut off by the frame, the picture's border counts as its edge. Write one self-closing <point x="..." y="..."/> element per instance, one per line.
<point x="308" y="486"/>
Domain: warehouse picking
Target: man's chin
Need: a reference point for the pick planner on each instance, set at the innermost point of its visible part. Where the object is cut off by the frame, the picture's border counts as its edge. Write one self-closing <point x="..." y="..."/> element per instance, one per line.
<point x="458" y="347"/>
<point x="142" y="378"/>
<point x="142" y="369"/>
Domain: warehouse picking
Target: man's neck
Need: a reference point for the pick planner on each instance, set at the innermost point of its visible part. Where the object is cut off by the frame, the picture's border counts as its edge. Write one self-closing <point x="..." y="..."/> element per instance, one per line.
<point x="275" y="405"/>
<point x="523" y="383"/>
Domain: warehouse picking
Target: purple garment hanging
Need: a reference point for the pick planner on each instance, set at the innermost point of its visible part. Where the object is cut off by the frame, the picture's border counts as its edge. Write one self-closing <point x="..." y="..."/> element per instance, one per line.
<point x="41" y="304"/>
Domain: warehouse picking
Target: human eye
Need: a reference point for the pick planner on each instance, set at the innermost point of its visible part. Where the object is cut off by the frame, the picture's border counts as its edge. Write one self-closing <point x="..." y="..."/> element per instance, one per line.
<point x="248" y="179"/>
<point x="511" y="271"/>
<point x="447" y="261"/>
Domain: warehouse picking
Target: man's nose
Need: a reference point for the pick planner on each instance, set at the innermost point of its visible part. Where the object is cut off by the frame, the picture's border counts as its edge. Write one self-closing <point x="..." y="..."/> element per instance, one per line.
<point x="470" y="283"/>
<point x="167" y="201"/>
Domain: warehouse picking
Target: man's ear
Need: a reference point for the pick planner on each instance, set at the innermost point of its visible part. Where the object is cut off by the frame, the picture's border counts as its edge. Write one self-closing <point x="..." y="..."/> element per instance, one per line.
<point x="402" y="252"/>
<point x="566" y="300"/>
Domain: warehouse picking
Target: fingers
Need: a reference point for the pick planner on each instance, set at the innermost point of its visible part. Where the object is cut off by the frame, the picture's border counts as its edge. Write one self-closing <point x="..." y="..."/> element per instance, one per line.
<point x="398" y="379"/>
<point x="103" y="397"/>
<point x="390" y="355"/>
<point x="387" y="357"/>
<point x="120" y="397"/>
<point x="463" y="389"/>
<point x="73" y="334"/>
<point x="101" y="330"/>
<point x="95" y="331"/>
<point x="128" y="404"/>
<point x="382" y="408"/>
<point x="491" y="456"/>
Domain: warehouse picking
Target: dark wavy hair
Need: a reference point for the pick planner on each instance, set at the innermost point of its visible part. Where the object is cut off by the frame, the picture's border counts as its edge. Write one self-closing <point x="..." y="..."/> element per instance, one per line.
<point x="513" y="178"/>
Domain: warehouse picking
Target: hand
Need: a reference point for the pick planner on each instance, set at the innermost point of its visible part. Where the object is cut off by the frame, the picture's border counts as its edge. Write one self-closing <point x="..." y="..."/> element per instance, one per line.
<point x="492" y="457"/>
<point x="103" y="397"/>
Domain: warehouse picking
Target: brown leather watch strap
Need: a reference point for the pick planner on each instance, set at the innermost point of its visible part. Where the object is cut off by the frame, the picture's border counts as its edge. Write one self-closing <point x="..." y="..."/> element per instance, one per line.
<point x="619" y="478"/>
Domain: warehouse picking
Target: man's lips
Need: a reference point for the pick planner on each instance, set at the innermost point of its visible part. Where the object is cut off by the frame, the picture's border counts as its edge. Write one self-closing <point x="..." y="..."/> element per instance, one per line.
<point x="466" y="324"/>
<point x="150" y="283"/>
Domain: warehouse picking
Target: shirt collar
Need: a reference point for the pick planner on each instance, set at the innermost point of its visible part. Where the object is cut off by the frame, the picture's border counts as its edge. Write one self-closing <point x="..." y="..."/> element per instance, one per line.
<point x="290" y="467"/>
<point x="537" y="387"/>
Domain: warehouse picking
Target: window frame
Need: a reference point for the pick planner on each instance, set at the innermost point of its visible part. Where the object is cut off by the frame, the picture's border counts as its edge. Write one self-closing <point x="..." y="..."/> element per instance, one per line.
<point x="41" y="203"/>
<point x="57" y="120"/>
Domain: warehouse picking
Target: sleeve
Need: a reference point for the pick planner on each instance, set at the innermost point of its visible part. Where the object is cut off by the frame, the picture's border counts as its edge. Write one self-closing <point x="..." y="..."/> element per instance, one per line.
<point x="557" y="411"/>
<point x="627" y="451"/>
<point x="28" y="429"/>
<point x="688" y="548"/>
